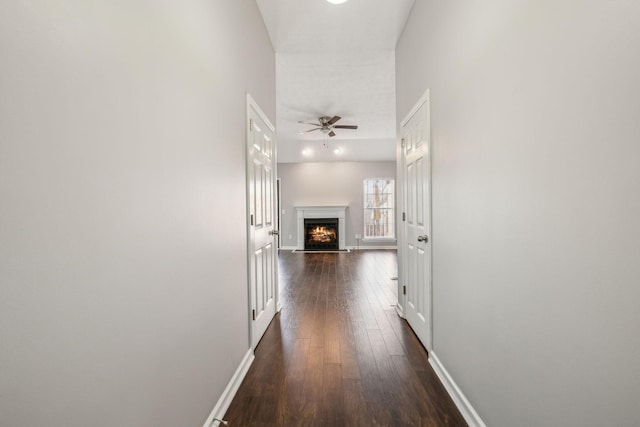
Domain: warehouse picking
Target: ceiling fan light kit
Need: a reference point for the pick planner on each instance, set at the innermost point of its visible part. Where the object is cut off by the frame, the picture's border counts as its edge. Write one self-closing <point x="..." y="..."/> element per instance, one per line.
<point x="327" y="124"/>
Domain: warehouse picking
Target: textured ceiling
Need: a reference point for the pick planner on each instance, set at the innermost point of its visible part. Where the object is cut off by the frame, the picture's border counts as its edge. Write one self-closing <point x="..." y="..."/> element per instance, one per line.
<point x="335" y="60"/>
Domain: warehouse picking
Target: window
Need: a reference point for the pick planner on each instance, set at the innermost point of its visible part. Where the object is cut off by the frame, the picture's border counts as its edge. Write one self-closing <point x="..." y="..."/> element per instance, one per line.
<point x="379" y="202"/>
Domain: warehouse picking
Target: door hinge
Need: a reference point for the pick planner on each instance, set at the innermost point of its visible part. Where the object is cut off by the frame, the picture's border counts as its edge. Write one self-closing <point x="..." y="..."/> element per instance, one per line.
<point x="404" y="289"/>
<point x="250" y="125"/>
<point x="402" y="143"/>
<point x="253" y="312"/>
<point x="251" y="219"/>
<point x="404" y="216"/>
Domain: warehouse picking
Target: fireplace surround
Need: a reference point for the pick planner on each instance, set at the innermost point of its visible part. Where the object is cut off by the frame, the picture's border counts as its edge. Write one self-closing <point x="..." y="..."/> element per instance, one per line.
<point x="321" y="212"/>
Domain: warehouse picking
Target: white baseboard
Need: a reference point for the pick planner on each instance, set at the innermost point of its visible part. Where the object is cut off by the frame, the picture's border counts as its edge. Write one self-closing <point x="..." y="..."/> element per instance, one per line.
<point x="230" y="391"/>
<point x="399" y="311"/>
<point x="464" y="406"/>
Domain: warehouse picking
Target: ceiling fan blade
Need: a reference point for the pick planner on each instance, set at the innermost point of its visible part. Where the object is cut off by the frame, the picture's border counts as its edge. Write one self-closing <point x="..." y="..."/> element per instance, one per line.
<point x="332" y="134"/>
<point x="333" y="120"/>
<point x="310" y="130"/>
<point x="345" y="127"/>
<point x="309" y="123"/>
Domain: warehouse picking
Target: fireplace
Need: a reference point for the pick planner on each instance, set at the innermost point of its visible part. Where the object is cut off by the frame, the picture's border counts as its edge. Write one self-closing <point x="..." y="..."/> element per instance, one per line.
<point x="321" y="234"/>
<point x="316" y="213"/>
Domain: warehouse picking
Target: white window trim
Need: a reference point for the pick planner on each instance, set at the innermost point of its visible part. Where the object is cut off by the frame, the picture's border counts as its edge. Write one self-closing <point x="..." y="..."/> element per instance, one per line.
<point x="392" y="209"/>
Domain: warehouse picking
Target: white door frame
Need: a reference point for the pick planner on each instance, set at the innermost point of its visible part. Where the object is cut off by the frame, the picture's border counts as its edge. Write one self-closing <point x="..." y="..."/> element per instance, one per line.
<point x="401" y="186"/>
<point x="278" y="211"/>
<point x="402" y="256"/>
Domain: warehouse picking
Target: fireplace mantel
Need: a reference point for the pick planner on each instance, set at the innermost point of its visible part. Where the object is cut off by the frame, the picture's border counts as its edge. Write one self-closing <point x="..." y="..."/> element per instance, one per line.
<point x="339" y="212"/>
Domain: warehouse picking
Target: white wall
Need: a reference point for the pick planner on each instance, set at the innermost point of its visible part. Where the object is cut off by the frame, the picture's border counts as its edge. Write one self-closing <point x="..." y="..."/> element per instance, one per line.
<point x="328" y="184"/>
<point x="536" y="203"/>
<point x="123" y="298"/>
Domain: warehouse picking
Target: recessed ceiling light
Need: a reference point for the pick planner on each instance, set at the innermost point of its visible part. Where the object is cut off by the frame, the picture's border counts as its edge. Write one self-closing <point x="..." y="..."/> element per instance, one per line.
<point x="338" y="151"/>
<point x="307" y="152"/>
<point x="336" y="1"/>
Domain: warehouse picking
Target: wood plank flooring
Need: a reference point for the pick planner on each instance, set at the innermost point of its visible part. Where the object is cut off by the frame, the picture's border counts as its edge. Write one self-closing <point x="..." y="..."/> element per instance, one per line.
<point x="338" y="354"/>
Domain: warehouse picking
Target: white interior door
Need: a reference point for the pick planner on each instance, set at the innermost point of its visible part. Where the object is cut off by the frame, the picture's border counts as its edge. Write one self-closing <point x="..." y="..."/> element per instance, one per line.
<point x="416" y="161"/>
<point x="262" y="252"/>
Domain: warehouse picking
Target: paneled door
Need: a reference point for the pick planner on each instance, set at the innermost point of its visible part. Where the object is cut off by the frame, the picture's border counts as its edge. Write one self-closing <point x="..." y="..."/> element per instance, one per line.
<point x="416" y="165"/>
<point x="262" y="250"/>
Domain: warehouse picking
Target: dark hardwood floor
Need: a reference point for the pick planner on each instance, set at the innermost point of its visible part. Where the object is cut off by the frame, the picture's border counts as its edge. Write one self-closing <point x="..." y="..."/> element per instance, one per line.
<point x="338" y="354"/>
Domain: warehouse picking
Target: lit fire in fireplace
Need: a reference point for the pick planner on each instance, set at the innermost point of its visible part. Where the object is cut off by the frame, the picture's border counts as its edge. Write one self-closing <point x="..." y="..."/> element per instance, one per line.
<point x="322" y="234"/>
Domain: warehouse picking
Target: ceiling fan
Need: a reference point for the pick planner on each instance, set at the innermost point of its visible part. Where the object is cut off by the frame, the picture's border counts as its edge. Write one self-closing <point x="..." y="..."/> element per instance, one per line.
<point x="327" y="125"/>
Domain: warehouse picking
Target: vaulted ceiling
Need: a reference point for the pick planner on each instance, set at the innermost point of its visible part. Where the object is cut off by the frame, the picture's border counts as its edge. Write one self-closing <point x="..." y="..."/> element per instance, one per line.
<point x="335" y="59"/>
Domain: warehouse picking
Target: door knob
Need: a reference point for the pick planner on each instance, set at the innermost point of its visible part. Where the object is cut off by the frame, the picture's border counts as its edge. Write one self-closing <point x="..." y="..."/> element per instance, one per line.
<point x="274" y="232"/>
<point x="423" y="238"/>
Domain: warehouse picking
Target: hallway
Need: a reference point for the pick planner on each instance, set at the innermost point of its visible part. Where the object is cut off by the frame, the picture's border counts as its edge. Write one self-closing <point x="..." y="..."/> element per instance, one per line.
<point x="338" y="354"/>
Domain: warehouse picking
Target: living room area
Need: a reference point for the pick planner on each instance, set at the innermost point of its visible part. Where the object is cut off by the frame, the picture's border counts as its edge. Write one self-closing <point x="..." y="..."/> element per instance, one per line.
<point x="363" y="191"/>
